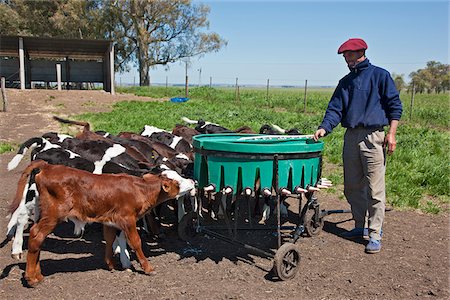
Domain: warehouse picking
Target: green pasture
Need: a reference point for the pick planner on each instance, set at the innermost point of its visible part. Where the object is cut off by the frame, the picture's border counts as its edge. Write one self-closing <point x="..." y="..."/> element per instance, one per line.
<point x="6" y="147"/>
<point x="417" y="173"/>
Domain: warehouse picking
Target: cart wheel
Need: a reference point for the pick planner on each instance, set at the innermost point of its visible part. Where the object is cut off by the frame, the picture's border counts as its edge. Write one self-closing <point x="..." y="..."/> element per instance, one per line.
<point x="286" y="261"/>
<point x="186" y="226"/>
<point x="312" y="228"/>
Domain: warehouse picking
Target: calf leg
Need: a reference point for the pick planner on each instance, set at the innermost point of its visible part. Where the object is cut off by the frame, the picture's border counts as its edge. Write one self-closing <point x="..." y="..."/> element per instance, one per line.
<point x="123" y="252"/>
<point x="109" y="234"/>
<point x="135" y="243"/>
<point x="38" y="233"/>
<point x="22" y="217"/>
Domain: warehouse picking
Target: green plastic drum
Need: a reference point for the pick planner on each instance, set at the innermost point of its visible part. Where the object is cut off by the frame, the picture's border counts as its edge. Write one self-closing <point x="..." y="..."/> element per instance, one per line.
<point x="238" y="160"/>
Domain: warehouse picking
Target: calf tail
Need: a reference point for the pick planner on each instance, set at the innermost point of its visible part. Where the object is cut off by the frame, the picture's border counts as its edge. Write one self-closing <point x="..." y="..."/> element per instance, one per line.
<point x="189" y="121"/>
<point x="31" y="143"/>
<point x="37" y="164"/>
<point x="278" y="128"/>
<point x="65" y="121"/>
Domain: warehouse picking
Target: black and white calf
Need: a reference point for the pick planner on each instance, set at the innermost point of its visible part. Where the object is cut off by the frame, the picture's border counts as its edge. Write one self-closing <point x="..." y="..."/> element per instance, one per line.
<point x="205" y="127"/>
<point x="160" y="135"/>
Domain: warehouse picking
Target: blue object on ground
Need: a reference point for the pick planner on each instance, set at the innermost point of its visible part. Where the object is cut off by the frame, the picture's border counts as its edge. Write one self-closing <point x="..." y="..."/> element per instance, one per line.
<point x="179" y="99"/>
<point x="374" y="246"/>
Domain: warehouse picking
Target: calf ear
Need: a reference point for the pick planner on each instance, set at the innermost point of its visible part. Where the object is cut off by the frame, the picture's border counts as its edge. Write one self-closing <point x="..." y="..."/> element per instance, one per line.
<point x="166" y="185"/>
<point x="169" y="186"/>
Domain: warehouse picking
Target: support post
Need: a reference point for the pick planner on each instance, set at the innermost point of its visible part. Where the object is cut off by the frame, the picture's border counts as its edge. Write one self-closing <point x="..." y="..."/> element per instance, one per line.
<point x="58" y="76"/>
<point x="111" y="68"/>
<point x="5" y="100"/>
<point x="21" y="64"/>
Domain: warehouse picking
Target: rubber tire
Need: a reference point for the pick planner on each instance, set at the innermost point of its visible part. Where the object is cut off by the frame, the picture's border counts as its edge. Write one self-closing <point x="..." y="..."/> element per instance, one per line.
<point x="312" y="228"/>
<point x="286" y="261"/>
<point x="186" y="226"/>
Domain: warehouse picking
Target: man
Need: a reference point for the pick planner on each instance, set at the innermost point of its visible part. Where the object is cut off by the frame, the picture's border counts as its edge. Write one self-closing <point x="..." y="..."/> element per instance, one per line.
<point x="364" y="102"/>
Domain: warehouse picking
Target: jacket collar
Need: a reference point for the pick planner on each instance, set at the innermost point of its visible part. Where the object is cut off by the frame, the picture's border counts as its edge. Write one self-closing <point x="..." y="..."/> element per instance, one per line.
<point x="361" y="66"/>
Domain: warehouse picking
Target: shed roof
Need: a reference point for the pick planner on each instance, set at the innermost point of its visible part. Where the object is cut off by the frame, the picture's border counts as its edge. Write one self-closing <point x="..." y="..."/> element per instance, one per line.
<point x="43" y="47"/>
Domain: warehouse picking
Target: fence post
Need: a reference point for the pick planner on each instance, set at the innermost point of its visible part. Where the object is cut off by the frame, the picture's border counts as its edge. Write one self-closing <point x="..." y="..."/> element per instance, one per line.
<point x="304" y="99"/>
<point x="267" y="93"/>
<point x="237" y="90"/>
<point x="412" y="101"/>
<point x="58" y="76"/>
<point x="5" y="100"/>
<point x="186" y="88"/>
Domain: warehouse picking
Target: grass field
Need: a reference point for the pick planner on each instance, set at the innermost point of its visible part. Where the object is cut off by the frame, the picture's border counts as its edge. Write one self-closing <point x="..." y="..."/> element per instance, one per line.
<point x="417" y="173"/>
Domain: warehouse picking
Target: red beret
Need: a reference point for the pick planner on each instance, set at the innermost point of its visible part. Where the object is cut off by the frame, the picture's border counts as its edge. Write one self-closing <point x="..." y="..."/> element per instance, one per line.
<point x="352" y="45"/>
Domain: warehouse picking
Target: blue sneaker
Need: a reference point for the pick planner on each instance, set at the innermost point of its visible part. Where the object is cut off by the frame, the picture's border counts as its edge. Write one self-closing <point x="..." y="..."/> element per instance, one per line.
<point x="356" y="233"/>
<point x="374" y="246"/>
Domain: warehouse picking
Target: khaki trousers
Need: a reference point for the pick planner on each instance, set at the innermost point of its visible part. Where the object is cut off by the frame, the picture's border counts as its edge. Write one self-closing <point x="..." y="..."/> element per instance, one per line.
<point x="364" y="184"/>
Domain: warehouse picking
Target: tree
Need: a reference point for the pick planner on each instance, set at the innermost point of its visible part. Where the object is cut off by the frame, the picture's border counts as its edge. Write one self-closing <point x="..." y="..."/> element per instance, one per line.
<point x="434" y="78"/>
<point x="399" y="81"/>
<point x="29" y="18"/>
<point x="158" y="32"/>
<point x="146" y="32"/>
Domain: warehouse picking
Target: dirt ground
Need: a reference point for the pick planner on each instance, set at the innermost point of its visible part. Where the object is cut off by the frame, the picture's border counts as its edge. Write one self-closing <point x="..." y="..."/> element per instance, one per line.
<point x="413" y="264"/>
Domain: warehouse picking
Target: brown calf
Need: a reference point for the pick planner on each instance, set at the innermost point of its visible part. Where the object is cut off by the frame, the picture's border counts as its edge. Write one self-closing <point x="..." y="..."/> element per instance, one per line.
<point x="116" y="200"/>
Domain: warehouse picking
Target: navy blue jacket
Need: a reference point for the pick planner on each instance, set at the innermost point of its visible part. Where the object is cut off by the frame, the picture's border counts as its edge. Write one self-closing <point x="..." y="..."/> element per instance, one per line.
<point x="365" y="97"/>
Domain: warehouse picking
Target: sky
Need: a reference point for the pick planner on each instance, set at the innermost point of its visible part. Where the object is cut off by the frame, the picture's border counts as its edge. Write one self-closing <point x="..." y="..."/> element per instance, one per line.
<point x="289" y="42"/>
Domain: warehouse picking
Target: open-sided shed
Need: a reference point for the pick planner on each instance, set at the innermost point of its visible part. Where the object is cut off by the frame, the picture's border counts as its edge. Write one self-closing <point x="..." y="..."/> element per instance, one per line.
<point x="70" y="61"/>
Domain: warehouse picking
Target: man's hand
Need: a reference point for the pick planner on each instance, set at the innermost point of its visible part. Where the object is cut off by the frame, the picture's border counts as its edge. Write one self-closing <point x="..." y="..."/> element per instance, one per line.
<point x="319" y="133"/>
<point x="390" y="143"/>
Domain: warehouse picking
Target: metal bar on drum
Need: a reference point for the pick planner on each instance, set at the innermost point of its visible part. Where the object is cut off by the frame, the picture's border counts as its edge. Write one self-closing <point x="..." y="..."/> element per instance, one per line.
<point x="249" y="211"/>
<point x="278" y="197"/>
<point x="251" y="156"/>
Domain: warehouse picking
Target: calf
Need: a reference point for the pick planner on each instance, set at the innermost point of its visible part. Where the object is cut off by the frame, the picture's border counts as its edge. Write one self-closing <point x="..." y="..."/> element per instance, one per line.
<point x="275" y="129"/>
<point x="175" y="142"/>
<point x="87" y="134"/>
<point x="204" y="127"/>
<point x="116" y="200"/>
<point x="207" y="127"/>
<point x="185" y="132"/>
<point x="54" y="154"/>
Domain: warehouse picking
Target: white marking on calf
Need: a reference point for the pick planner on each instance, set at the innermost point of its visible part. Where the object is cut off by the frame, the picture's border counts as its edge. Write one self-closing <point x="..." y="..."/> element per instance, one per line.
<point x="149" y="130"/>
<point x="182" y="156"/>
<point x="72" y="154"/>
<point x="185" y="184"/>
<point x="15" y="215"/>
<point x="18" y="157"/>
<point x="110" y="153"/>
<point x="79" y="226"/>
<point x="278" y="128"/>
<point x="48" y="145"/>
<point x="120" y="246"/>
<point x="62" y="137"/>
<point x="19" y="220"/>
<point x="189" y="121"/>
<point x="176" y="140"/>
<point x="15" y="161"/>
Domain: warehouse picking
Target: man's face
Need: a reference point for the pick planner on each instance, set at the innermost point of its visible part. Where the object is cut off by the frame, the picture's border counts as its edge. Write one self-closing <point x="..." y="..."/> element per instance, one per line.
<point x="353" y="57"/>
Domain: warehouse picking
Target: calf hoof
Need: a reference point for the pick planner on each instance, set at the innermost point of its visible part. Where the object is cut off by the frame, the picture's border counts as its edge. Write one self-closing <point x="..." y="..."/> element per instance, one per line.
<point x="33" y="281"/>
<point x="149" y="270"/>
<point x="17" y="256"/>
<point x="110" y="266"/>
